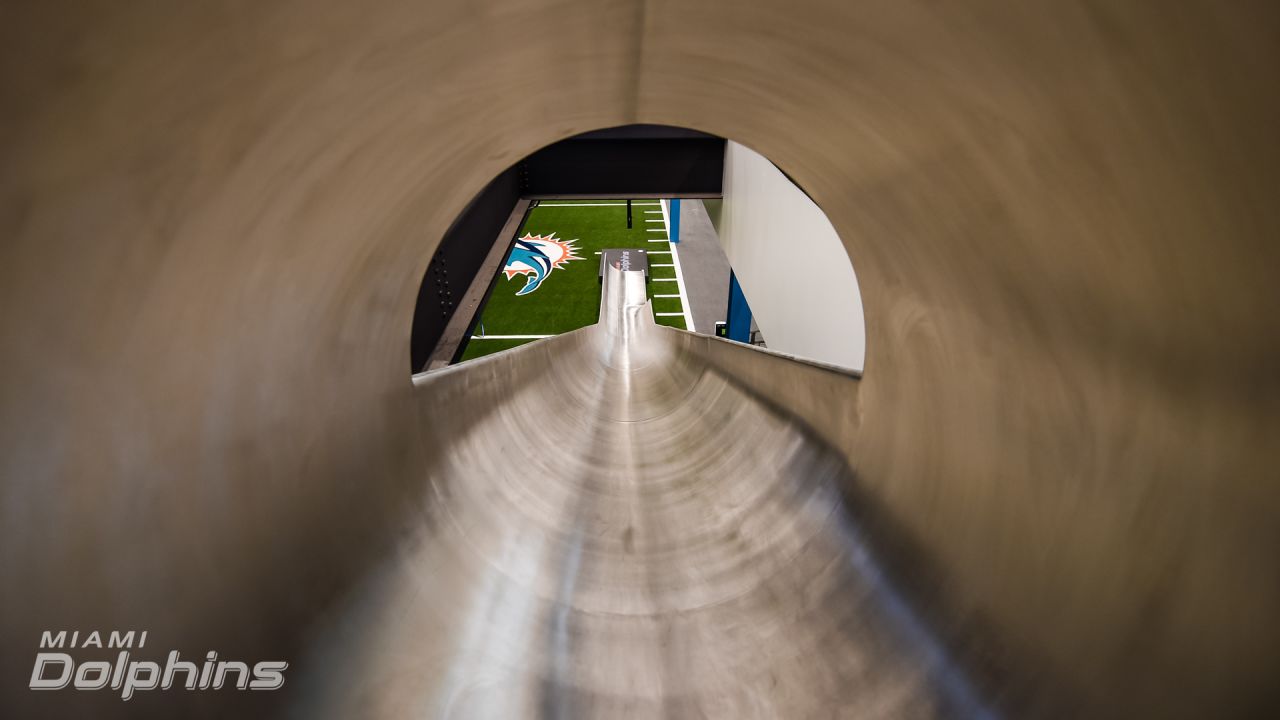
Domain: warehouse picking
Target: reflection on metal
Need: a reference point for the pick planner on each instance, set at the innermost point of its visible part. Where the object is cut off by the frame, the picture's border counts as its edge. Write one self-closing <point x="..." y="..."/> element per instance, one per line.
<point x="1063" y="217"/>
<point x="619" y="530"/>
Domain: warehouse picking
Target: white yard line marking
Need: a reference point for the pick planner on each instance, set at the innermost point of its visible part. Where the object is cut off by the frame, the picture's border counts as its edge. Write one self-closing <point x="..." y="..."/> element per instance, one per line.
<point x="666" y="296"/>
<point x="658" y="240"/>
<point x="655" y="220"/>
<point x="652" y="212"/>
<point x="675" y="260"/>
<point x="658" y="252"/>
<point x="661" y="230"/>
<point x="510" y="337"/>
<point x="663" y="279"/>
<point x="679" y="314"/>
<point x="621" y="204"/>
<point x="684" y="298"/>
<point x="663" y="265"/>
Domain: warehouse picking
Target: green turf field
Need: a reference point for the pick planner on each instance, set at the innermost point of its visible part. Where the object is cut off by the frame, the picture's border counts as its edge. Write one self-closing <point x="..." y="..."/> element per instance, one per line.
<point x="568" y="296"/>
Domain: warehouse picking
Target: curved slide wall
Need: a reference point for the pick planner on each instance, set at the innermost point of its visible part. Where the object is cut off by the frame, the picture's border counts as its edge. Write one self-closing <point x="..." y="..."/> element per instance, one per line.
<point x="1063" y="218"/>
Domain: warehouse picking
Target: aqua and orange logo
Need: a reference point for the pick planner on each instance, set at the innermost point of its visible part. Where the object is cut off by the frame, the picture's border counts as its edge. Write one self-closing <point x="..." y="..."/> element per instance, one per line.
<point x="535" y="256"/>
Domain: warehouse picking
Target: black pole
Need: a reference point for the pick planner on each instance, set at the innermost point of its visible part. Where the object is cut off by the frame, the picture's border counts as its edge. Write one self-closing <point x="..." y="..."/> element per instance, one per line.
<point x="628" y="213"/>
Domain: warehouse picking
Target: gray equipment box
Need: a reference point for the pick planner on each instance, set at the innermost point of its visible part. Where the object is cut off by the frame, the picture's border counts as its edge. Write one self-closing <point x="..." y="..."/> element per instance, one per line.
<point x="625" y="259"/>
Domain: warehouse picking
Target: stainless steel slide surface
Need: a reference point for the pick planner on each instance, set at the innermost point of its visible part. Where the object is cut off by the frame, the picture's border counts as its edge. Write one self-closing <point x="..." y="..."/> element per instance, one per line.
<point x="617" y="529"/>
<point x="214" y="220"/>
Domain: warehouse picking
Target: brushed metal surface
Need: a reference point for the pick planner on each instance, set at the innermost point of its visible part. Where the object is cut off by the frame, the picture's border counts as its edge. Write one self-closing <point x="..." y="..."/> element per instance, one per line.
<point x="216" y="217"/>
<point x="618" y="530"/>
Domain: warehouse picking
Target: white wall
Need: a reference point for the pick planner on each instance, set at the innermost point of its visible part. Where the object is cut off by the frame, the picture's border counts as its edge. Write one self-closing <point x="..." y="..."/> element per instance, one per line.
<point x="792" y="268"/>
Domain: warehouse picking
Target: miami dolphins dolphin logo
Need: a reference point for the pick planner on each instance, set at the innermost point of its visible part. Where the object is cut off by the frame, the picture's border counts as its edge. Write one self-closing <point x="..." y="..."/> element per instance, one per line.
<point x="536" y="256"/>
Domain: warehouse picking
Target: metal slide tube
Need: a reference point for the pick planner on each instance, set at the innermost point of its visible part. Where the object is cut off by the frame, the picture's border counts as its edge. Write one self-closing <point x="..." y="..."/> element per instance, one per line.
<point x="624" y="531"/>
<point x="1061" y="458"/>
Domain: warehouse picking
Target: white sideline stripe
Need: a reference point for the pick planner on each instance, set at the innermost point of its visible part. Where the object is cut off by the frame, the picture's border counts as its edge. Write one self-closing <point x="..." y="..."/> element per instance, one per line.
<point x="675" y="259"/>
<point x="510" y="337"/>
<point x="663" y="279"/>
<point x="560" y="204"/>
<point x="666" y="296"/>
<point x="663" y="265"/>
<point x="679" y="314"/>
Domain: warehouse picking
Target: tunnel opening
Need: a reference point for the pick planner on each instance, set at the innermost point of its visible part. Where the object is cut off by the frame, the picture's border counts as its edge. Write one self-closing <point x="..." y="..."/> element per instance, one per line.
<point x="732" y="246"/>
